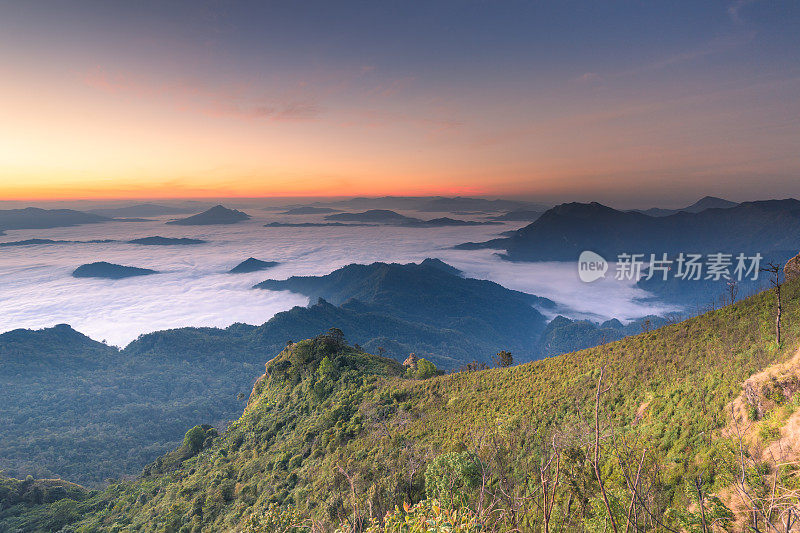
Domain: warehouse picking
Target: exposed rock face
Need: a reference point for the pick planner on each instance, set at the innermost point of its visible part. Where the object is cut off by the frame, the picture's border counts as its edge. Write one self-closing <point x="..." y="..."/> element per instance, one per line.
<point x="411" y="361"/>
<point x="792" y="268"/>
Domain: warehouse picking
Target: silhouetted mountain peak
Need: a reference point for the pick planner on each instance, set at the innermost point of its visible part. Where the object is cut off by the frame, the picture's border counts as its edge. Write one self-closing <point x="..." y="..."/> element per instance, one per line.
<point x="218" y="214"/>
<point x="709" y="202"/>
<point x="103" y="269"/>
<point x="252" y="264"/>
<point x="440" y="265"/>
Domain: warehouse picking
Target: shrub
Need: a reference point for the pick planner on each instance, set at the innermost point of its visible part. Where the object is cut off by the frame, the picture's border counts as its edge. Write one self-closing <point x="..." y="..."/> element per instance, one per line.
<point x="450" y="477"/>
<point x="194" y="438"/>
<point x="424" y="517"/>
<point x="274" y="519"/>
<point x="424" y="370"/>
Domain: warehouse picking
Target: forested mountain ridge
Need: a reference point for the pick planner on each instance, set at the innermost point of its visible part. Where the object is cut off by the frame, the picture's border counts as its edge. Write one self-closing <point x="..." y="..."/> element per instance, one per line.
<point x="435" y="294"/>
<point x="339" y="436"/>
<point x="428" y="308"/>
<point x="106" y="399"/>
<point x="76" y="408"/>
<point x="564" y="231"/>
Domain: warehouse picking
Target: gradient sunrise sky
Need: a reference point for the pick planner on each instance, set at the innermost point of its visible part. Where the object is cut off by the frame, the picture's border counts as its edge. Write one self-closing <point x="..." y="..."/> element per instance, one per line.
<point x="636" y="101"/>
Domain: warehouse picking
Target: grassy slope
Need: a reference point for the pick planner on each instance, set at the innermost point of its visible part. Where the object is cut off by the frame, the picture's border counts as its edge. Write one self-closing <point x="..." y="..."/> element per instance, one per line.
<point x="363" y="416"/>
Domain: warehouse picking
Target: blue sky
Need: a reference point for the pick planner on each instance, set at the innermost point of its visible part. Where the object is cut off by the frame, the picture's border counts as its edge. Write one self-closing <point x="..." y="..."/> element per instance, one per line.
<point x="554" y="100"/>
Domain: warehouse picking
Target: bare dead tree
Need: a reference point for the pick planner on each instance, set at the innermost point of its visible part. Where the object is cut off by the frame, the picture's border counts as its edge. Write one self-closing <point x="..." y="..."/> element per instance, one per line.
<point x="596" y="461"/>
<point x="732" y="289"/>
<point x="549" y="479"/>
<point x="415" y="458"/>
<point x="758" y="508"/>
<point x="357" y="521"/>
<point x="776" y="283"/>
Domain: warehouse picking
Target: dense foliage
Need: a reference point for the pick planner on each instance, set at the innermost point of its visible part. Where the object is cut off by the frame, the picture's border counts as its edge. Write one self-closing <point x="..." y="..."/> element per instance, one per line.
<point x="335" y="437"/>
<point x="75" y="408"/>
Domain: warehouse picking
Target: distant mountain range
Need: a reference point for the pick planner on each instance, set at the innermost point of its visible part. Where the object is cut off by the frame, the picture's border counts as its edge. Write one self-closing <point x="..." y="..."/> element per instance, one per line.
<point x="564" y="231"/>
<point x="216" y="215"/>
<point x="386" y="216"/>
<point x="442" y="204"/>
<point x="519" y="215"/>
<point x="139" y="210"/>
<point x="310" y="210"/>
<point x="375" y="216"/>
<point x="103" y="269"/>
<point x="35" y="218"/>
<point x="145" y="241"/>
<point x="166" y="241"/>
<point x="314" y="224"/>
<point x="35" y="242"/>
<point x="707" y="202"/>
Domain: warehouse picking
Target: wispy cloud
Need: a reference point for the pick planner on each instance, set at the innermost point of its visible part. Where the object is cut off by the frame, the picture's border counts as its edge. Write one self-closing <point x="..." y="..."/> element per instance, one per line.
<point x="734" y="10"/>
<point x="588" y="77"/>
<point x="291" y="111"/>
<point x="235" y="100"/>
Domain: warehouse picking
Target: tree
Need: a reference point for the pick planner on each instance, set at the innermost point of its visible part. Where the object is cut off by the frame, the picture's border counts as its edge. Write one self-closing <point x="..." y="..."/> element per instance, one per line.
<point x="336" y="334"/>
<point x="450" y="477"/>
<point x="504" y="359"/>
<point x="733" y="291"/>
<point x="194" y="438"/>
<point x="776" y="270"/>
<point x="424" y="369"/>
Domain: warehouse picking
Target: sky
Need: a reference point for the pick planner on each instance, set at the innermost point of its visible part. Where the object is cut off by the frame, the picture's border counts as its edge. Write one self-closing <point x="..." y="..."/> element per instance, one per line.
<point x="633" y="103"/>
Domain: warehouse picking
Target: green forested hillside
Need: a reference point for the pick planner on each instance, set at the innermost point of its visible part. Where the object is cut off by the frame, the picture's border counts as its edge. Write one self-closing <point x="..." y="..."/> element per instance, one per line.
<point x="337" y="436"/>
<point x="76" y="408"/>
<point x="431" y="295"/>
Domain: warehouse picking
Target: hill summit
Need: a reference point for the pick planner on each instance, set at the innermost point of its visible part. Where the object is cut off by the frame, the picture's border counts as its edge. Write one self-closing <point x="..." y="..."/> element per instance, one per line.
<point x="104" y="269"/>
<point x="252" y="264"/>
<point x="218" y="214"/>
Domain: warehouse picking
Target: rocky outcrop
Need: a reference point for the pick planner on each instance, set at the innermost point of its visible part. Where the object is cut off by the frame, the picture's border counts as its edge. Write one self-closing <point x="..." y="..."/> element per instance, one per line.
<point x="792" y="268"/>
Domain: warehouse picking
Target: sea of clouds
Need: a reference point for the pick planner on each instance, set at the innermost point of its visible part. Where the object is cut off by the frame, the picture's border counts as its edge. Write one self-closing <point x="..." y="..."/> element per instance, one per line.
<point x="194" y="288"/>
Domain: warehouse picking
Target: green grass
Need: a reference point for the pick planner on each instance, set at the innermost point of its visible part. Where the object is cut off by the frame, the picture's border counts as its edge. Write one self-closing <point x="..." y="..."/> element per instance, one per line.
<point x="307" y="425"/>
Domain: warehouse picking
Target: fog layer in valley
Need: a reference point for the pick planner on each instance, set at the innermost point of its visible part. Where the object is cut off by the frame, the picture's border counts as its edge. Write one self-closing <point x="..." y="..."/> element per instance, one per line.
<point x="193" y="287"/>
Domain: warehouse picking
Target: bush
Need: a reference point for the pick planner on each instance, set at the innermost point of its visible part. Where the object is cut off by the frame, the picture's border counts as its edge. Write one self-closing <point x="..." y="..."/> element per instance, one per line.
<point x="450" y="477"/>
<point x="426" y="516"/>
<point x="424" y="370"/>
<point x="274" y="519"/>
<point x="194" y="438"/>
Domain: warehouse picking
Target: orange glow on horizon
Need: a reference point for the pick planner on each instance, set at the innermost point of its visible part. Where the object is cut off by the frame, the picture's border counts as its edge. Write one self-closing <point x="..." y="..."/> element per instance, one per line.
<point x="117" y="192"/>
